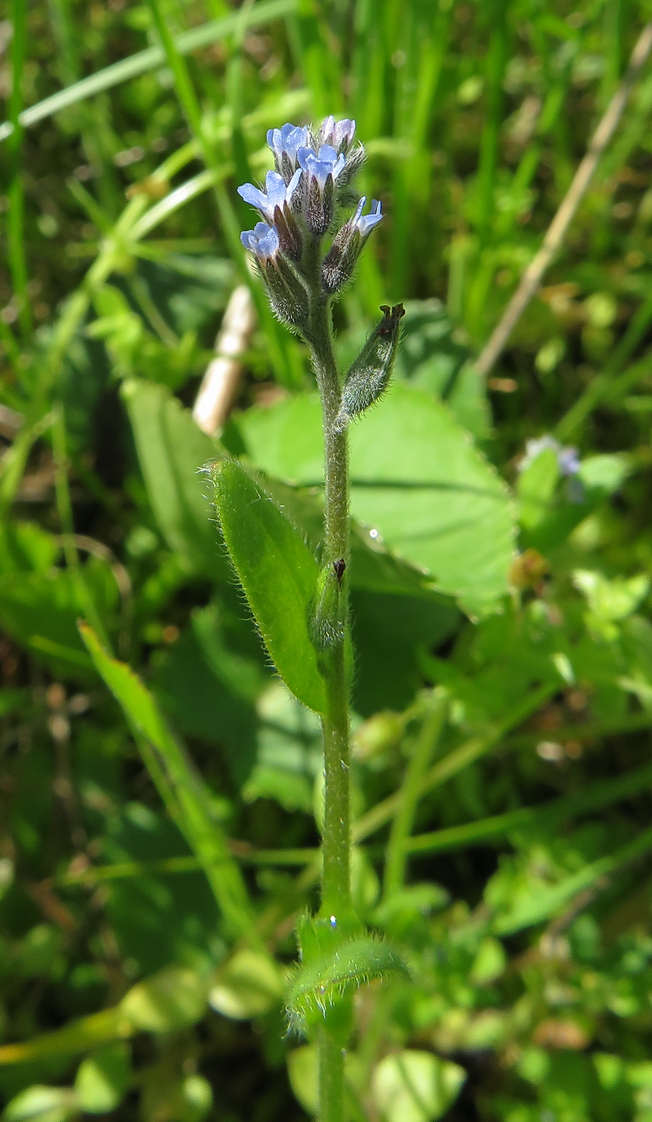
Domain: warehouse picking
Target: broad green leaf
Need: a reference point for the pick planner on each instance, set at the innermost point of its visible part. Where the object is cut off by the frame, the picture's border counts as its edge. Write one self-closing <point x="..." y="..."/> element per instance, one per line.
<point x="172" y="450"/>
<point x="250" y="984"/>
<point x="303" y="1070"/>
<point x="278" y="573"/>
<point x="417" y="481"/>
<point x="209" y="689"/>
<point x="170" y="1000"/>
<point x="417" y="478"/>
<point x="411" y="1086"/>
<point x="288" y="751"/>
<point x="102" y="1079"/>
<point x="181" y="787"/>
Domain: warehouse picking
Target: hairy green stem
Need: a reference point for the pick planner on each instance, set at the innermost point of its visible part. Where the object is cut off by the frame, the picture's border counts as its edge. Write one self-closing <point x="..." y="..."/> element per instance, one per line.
<point x="337" y="829"/>
<point x="336" y="835"/>
<point x="331" y="1078"/>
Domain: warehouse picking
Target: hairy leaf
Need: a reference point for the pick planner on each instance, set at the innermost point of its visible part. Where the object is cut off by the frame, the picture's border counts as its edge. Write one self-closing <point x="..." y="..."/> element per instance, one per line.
<point x="278" y="574"/>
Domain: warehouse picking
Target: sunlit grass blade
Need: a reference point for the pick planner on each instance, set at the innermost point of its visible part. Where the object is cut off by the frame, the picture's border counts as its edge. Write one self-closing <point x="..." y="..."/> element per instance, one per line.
<point x="533" y="819"/>
<point x="181" y="787"/>
<point x="150" y="59"/>
<point x="281" y="357"/>
<point x="16" y="193"/>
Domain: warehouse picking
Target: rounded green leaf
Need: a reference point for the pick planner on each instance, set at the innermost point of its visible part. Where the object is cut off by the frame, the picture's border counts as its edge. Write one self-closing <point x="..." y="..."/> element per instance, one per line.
<point x="102" y="1079"/>
<point x="278" y="574"/>
<point x="411" y="1086"/>
<point x="170" y="1000"/>
<point x="250" y="985"/>
<point x="417" y="480"/>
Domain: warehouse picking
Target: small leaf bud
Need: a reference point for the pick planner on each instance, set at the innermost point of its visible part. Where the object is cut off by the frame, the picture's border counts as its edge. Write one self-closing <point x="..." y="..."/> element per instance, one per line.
<point x="369" y="375"/>
<point x="327" y="619"/>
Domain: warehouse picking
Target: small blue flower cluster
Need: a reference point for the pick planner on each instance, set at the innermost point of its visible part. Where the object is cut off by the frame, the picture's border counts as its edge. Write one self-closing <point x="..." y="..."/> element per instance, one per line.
<point x="298" y="205"/>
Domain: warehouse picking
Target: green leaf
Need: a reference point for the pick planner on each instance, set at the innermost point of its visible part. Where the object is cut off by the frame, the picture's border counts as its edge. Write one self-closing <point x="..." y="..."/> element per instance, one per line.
<point x="278" y="573"/>
<point x="42" y="1104"/>
<point x="172" y="450"/>
<point x="251" y="984"/>
<point x="209" y="689"/>
<point x="102" y="1079"/>
<point x="181" y="787"/>
<point x="40" y="611"/>
<point x="303" y="1070"/>
<point x="411" y="1086"/>
<point x="170" y="1000"/>
<point x="435" y="500"/>
<point x="323" y="981"/>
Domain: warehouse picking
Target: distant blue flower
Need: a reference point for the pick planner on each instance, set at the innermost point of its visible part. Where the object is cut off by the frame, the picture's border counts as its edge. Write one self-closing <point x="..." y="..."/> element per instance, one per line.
<point x="286" y="141"/>
<point x="339" y="135"/>
<point x="276" y="193"/>
<point x="567" y="458"/>
<point x="364" y="224"/>
<point x="262" y="240"/>
<point x="320" y="166"/>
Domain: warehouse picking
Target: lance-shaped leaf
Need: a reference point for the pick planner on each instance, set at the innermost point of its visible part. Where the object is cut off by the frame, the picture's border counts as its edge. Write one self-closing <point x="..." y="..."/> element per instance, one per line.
<point x="278" y="574"/>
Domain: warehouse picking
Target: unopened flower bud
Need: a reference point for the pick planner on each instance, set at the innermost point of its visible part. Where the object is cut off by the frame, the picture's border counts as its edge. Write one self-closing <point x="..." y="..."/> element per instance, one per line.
<point x="369" y="375"/>
<point x="338" y="134"/>
<point x="320" y="173"/>
<point x="340" y="260"/>
<point x="286" y="293"/>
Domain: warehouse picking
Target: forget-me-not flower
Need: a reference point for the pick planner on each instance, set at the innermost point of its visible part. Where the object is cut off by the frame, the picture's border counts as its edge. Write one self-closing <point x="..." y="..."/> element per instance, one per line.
<point x="262" y="240"/>
<point x="285" y="143"/>
<point x="276" y="194"/>
<point x="364" y="223"/>
<point x="320" y="165"/>
<point x="320" y="171"/>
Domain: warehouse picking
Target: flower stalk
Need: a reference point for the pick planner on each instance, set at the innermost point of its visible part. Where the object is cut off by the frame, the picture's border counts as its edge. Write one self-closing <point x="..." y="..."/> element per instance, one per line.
<point x="299" y="211"/>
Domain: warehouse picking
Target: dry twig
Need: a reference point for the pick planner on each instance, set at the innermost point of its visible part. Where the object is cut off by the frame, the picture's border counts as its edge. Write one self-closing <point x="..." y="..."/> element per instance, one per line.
<point x="556" y="231"/>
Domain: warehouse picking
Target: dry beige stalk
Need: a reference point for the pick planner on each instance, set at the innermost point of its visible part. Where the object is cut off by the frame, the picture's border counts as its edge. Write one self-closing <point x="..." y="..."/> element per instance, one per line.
<point x="556" y="231"/>
<point x="220" y="382"/>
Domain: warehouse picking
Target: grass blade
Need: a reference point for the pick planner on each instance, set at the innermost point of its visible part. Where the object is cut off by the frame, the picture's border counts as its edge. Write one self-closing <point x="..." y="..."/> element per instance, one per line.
<point x="151" y="59"/>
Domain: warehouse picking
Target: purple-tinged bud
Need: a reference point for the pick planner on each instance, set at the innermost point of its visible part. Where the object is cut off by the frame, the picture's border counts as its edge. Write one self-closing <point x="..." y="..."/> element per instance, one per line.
<point x="341" y="258"/>
<point x="338" y="134"/>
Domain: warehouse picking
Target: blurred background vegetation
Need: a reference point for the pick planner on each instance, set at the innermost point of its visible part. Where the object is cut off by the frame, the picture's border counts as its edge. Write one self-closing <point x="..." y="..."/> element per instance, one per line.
<point x="523" y="898"/>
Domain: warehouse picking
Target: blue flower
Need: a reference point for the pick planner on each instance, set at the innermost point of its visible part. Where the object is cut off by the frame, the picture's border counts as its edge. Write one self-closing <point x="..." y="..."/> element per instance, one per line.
<point x="276" y="193"/>
<point x="567" y="458"/>
<point x="339" y="135"/>
<point x="364" y="224"/>
<point x="320" y="166"/>
<point x="262" y="240"/>
<point x="286" y="141"/>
